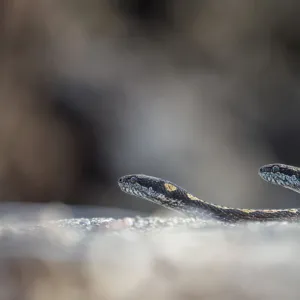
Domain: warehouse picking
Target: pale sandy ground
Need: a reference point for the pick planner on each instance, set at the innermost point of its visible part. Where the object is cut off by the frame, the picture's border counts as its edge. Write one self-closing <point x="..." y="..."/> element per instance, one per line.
<point x="149" y="258"/>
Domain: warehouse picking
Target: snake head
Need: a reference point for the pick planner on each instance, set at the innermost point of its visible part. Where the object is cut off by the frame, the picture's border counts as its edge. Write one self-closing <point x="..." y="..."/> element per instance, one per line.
<point x="280" y="174"/>
<point x="141" y="186"/>
<point x="153" y="189"/>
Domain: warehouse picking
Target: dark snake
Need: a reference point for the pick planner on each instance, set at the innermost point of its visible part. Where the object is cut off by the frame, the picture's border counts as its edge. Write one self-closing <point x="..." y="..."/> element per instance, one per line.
<point x="172" y="196"/>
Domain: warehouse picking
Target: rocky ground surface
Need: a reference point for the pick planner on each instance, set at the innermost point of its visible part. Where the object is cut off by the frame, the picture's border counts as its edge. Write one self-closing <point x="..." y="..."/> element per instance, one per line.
<point x="149" y="258"/>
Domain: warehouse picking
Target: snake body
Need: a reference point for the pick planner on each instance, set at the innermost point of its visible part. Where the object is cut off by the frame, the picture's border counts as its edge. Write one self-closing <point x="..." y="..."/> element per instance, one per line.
<point x="172" y="196"/>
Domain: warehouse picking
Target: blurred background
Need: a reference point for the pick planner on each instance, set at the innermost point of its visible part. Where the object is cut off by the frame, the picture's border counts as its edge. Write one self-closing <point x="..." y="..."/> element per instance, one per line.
<point x="198" y="92"/>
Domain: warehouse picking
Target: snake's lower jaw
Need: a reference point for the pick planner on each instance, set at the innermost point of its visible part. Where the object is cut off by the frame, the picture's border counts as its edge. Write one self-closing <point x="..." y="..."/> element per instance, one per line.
<point x="124" y="189"/>
<point x="265" y="176"/>
<point x="131" y="192"/>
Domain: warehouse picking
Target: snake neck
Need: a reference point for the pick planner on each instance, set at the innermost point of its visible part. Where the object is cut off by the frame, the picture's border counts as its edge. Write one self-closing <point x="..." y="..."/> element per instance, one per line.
<point x="199" y="208"/>
<point x="194" y="207"/>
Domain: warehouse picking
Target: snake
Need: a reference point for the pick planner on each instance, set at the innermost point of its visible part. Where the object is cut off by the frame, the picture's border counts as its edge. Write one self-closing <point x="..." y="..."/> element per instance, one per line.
<point x="172" y="196"/>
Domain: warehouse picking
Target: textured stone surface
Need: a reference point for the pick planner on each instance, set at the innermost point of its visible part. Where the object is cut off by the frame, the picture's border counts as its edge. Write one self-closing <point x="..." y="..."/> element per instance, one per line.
<point x="177" y="258"/>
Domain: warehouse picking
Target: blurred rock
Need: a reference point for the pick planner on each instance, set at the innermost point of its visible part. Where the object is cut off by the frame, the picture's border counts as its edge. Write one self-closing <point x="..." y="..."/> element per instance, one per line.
<point x="71" y="259"/>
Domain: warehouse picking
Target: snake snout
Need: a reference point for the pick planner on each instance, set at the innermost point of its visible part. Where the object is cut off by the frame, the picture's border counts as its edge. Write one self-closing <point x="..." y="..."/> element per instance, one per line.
<point x="262" y="170"/>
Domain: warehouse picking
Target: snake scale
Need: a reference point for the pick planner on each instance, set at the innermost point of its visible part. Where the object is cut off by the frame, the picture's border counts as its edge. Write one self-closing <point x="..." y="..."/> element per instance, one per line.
<point x="172" y="196"/>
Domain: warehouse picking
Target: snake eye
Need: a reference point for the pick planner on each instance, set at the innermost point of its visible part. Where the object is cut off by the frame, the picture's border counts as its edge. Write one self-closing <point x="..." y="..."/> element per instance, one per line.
<point x="275" y="169"/>
<point x="133" y="180"/>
